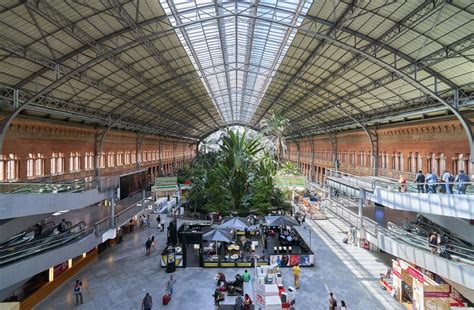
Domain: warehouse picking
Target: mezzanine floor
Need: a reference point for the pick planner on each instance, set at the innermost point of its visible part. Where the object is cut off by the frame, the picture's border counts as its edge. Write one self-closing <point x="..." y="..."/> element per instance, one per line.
<point x="122" y="275"/>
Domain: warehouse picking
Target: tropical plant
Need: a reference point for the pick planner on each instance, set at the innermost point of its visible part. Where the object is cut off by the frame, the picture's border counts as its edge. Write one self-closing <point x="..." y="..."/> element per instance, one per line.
<point x="274" y="129"/>
<point x="289" y="168"/>
<point x="237" y="178"/>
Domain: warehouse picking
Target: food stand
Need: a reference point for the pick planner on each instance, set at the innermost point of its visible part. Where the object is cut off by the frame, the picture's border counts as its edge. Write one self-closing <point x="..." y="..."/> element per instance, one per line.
<point x="286" y="247"/>
<point x="410" y="285"/>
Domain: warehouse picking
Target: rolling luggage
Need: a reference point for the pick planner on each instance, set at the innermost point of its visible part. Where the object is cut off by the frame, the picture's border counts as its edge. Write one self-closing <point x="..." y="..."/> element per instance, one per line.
<point x="166" y="299"/>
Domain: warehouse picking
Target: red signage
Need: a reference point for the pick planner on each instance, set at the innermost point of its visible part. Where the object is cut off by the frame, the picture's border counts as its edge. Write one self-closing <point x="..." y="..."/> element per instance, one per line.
<point x="416" y="274"/>
<point x="437" y="294"/>
<point x="58" y="269"/>
<point x="396" y="273"/>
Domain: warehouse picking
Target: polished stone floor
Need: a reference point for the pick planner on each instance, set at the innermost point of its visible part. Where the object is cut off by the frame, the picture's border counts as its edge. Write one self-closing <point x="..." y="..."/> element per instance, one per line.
<point x="121" y="276"/>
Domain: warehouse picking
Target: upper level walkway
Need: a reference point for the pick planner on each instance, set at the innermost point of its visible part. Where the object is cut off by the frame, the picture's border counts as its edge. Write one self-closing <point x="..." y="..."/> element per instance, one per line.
<point x="410" y="247"/>
<point x="393" y="195"/>
<point x="21" y="261"/>
<point x="25" y="199"/>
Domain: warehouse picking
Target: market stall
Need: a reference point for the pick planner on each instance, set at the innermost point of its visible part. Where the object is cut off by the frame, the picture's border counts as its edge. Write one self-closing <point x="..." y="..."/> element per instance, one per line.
<point x="418" y="289"/>
<point x="241" y="246"/>
<point x="284" y="244"/>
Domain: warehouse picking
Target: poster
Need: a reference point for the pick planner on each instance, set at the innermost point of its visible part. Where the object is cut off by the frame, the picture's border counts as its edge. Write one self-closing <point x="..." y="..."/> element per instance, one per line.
<point x="292" y="260"/>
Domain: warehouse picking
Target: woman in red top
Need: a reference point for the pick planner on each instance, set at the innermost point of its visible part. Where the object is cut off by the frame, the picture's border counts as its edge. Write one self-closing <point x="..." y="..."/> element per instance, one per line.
<point x="247" y="302"/>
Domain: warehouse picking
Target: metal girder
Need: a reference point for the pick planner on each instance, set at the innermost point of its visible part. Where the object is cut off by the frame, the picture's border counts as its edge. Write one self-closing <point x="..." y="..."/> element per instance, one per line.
<point x="246" y="67"/>
<point x="139" y="34"/>
<point x="370" y="55"/>
<point x="419" y="104"/>
<point x="333" y="138"/>
<point x="225" y="57"/>
<point x="347" y="14"/>
<point x="377" y="44"/>
<point x="47" y="104"/>
<point x="61" y="69"/>
<point x="190" y="46"/>
<point x="409" y="69"/>
<point x="43" y="8"/>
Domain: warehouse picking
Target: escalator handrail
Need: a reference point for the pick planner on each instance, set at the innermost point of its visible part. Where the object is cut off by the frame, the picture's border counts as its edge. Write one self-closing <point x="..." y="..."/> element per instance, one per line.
<point x="33" y="242"/>
<point x="379" y="229"/>
<point x="17" y="255"/>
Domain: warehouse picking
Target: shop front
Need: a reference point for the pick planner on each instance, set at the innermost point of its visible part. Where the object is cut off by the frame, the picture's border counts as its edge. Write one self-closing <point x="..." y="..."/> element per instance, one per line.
<point x="420" y="290"/>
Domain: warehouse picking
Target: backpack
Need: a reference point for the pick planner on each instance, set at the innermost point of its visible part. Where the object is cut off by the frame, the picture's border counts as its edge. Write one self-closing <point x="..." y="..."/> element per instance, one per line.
<point x="451" y="178"/>
<point x="77" y="289"/>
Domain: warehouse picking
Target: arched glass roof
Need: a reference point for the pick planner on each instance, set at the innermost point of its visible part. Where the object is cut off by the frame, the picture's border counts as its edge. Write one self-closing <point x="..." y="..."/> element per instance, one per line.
<point x="184" y="68"/>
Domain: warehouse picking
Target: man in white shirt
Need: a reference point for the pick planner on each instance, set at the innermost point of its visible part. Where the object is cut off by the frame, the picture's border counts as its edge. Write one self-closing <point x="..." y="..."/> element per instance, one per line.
<point x="446" y="177"/>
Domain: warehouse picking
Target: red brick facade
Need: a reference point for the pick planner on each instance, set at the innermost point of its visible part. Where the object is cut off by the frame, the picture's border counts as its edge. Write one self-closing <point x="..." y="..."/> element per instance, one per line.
<point x="32" y="146"/>
<point x="434" y="145"/>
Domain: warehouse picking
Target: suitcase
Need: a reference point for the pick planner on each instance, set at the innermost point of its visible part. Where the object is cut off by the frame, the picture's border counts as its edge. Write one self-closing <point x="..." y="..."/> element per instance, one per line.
<point x="166" y="299"/>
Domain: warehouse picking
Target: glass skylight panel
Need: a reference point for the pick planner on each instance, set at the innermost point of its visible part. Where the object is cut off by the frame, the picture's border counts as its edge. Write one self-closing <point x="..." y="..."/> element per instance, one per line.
<point x="237" y="54"/>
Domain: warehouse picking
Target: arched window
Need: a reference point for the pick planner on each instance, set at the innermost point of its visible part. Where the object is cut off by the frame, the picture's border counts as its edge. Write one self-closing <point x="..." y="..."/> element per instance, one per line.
<point x="39" y="165"/>
<point x="12" y="168"/>
<point x="53" y="163"/>
<point x="30" y="166"/>
<point x="60" y="162"/>
<point x="3" y="169"/>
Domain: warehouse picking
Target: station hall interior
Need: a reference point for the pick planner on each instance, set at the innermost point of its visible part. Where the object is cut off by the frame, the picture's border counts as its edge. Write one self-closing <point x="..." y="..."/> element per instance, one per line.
<point x="237" y="154"/>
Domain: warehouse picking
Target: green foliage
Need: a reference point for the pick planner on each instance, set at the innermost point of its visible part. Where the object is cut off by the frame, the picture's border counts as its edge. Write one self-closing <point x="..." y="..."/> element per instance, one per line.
<point x="238" y="178"/>
<point x="289" y="168"/>
<point x="274" y="130"/>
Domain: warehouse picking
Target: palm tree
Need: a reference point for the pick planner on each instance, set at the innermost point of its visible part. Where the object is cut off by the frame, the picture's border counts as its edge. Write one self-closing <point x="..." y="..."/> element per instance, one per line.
<point x="238" y="159"/>
<point x="274" y="129"/>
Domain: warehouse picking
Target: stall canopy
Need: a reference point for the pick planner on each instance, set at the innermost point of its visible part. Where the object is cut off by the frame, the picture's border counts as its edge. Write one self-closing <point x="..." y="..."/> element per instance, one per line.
<point x="281" y="220"/>
<point x="217" y="235"/>
<point x="234" y="223"/>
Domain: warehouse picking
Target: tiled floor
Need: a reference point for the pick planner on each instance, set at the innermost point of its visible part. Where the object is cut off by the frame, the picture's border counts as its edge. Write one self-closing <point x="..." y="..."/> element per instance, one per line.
<point x="122" y="275"/>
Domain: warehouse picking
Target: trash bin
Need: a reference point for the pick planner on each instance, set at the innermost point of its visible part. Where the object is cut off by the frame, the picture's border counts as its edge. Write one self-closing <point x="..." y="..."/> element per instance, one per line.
<point x="171" y="261"/>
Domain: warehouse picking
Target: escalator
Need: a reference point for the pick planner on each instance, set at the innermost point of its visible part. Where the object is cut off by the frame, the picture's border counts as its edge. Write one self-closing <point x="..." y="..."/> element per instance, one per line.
<point x="24" y="245"/>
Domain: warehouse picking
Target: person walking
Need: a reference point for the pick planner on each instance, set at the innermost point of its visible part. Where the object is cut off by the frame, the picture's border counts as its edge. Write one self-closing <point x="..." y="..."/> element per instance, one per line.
<point x="343" y="305"/>
<point x="158" y="221"/>
<point x="247" y="302"/>
<point x="296" y="275"/>
<point x="403" y="184"/>
<point x="153" y="243"/>
<point x="78" y="292"/>
<point x="246" y="276"/>
<point x="332" y="302"/>
<point x="148" y="247"/>
<point x="447" y="178"/>
<point x="420" y="182"/>
<point x="433" y="242"/>
<point x="147" y="302"/>
<point x="431" y="180"/>
<point x="461" y="181"/>
<point x="239" y="303"/>
<point x="170" y="285"/>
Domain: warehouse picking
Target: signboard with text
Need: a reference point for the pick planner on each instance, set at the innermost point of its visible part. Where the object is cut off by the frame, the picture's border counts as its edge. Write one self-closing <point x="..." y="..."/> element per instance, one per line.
<point x="166" y="182"/>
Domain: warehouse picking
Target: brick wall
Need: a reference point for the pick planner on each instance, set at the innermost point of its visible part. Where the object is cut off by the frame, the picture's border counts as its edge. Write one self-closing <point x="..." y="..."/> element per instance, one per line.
<point x="29" y="137"/>
<point x="433" y="145"/>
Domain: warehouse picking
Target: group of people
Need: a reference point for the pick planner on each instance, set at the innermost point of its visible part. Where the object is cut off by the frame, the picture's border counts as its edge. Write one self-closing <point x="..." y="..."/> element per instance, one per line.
<point x="437" y="244"/>
<point x="147" y="302"/>
<point x="429" y="183"/>
<point x="333" y="303"/>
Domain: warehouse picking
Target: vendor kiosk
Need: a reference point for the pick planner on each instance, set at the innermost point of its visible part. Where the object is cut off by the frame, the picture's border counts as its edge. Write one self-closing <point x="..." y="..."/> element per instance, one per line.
<point x="423" y="292"/>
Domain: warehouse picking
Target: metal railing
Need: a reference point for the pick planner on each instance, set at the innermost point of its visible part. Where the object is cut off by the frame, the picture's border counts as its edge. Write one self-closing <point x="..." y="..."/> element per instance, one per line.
<point x="34" y="247"/>
<point x="461" y="254"/>
<point x="65" y="186"/>
<point x="135" y="209"/>
<point x="370" y="183"/>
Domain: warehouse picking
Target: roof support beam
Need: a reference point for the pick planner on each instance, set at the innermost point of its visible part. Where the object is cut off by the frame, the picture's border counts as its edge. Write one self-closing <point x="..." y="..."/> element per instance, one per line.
<point x="139" y="34"/>
<point x="48" y="12"/>
<point x="358" y="51"/>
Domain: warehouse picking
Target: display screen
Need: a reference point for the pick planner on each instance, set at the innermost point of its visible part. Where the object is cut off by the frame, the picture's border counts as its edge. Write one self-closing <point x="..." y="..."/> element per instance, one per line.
<point x="132" y="183"/>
